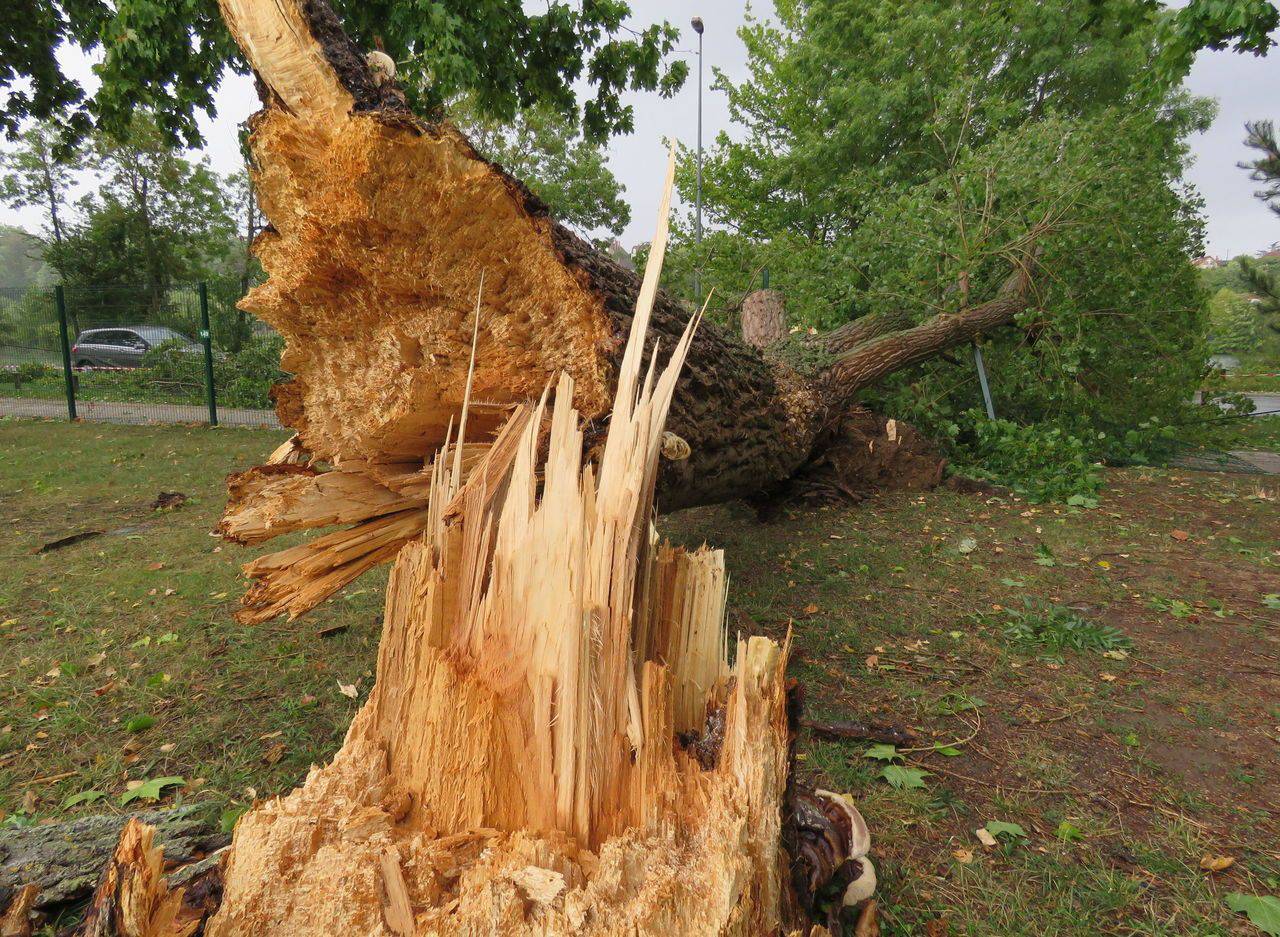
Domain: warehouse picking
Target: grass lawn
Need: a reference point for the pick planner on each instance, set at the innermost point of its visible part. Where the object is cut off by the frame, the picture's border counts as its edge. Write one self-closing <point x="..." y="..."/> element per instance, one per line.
<point x="1123" y="764"/>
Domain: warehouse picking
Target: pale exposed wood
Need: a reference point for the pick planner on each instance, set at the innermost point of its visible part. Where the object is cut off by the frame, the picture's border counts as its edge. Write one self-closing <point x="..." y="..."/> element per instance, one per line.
<point x="271" y="500"/>
<point x="132" y="899"/>
<point x="558" y="741"/>
<point x="16" y="920"/>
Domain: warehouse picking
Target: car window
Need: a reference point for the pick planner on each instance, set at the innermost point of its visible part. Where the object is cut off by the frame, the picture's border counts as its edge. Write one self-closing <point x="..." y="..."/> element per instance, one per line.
<point x="155" y="334"/>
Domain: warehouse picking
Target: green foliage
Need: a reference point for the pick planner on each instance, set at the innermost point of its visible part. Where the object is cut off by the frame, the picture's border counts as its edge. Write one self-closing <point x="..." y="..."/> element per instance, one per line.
<point x="1244" y="25"/>
<point x="904" y="779"/>
<point x="1054" y="629"/>
<point x="1043" y="463"/>
<point x="36" y="174"/>
<point x="1261" y="136"/>
<point x="242" y="380"/>
<point x="1263" y="911"/>
<point x="1233" y="325"/>
<point x="546" y="151"/>
<point x="1264" y="282"/>
<point x="879" y="172"/>
<point x="152" y="789"/>
<point x="29" y="371"/>
<point x="169" y="55"/>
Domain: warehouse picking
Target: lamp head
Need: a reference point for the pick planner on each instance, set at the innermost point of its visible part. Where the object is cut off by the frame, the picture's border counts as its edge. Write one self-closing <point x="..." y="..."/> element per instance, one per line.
<point x="697" y="25"/>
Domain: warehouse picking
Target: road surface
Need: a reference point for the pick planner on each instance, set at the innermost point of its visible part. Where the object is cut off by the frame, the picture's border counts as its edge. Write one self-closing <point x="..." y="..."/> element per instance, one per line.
<point x="136" y="413"/>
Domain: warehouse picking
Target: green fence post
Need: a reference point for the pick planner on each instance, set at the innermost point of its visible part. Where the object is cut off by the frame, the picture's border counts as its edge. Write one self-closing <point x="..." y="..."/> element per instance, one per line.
<point x="60" y="300"/>
<point x="206" y="336"/>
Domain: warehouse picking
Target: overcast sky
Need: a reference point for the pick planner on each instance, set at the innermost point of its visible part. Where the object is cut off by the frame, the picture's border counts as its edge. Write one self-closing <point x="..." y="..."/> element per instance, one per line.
<point x="1247" y="88"/>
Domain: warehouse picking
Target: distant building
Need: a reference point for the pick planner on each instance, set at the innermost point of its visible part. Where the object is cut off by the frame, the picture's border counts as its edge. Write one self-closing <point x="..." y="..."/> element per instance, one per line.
<point x="1208" y="263"/>
<point x="620" y="254"/>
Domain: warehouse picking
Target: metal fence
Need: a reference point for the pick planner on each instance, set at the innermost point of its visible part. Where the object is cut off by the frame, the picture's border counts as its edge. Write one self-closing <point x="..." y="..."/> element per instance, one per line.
<point x="136" y="354"/>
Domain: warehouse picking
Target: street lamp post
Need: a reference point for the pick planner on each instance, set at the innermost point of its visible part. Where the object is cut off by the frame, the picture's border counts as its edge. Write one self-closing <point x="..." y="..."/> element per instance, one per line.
<point x="697" y="211"/>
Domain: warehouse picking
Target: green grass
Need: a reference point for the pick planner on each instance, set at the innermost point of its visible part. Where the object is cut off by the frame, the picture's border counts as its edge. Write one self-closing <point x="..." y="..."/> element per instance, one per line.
<point x="137" y="623"/>
<point x="1155" y="758"/>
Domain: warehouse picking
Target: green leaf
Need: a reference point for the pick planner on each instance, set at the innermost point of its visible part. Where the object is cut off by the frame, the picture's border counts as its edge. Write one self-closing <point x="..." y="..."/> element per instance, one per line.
<point x="1044" y="557"/>
<point x="140" y="723"/>
<point x="1263" y="911"/>
<point x="882" y="752"/>
<point x="151" y="790"/>
<point x="1069" y="833"/>
<point x="1013" y="583"/>
<point x="84" y="797"/>
<point x="1000" y="828"/>
<point x="949" y="750"/>
<point x="1271" y="600"/>
<point x="227" y="820"/>
<point x="904" y="778"/>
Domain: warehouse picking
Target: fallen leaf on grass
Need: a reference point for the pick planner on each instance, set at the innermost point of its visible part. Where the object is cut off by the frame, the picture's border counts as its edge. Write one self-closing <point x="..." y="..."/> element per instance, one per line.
<point x="1107" y="677"/>
<point x="149" y="790"/>
<point x="348" y="690"/>
<point x="963" y="856"/>
<point x="84" y="797"/>
<point x="1001" y="828"/>
<point x="904" y="778"/>
<point x="873" y="661"/>
<point x="1263" y="911"/>
<point x="810" y="609"/>
<point x="882" y="752"/>
<point x="1216" y="863"/>
<point x="140" y="723"/>
<point x="274" y="753"/>
<point x="967" y="545"/>
<point x="1179" y="535"/>
<point x="984" y="837"/>
<point x="1068" y="832"/>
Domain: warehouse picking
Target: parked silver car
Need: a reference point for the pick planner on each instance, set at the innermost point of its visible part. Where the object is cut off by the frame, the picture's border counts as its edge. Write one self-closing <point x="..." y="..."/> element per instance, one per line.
<point x="124" y="347"/>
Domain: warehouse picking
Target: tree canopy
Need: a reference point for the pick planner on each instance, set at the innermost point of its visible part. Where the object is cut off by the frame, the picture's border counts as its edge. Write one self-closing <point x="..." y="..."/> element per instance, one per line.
<point x="168" y="56"/>
<point x="891" y="163"/>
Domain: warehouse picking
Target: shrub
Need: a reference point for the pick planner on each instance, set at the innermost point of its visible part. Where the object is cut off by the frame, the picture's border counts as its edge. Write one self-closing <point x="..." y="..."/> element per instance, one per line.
<point x="241" y="380"/>
<point x="1043" y="463"/>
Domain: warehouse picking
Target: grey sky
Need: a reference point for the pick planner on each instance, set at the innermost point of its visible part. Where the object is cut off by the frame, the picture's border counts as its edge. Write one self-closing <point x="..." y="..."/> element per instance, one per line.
<point x="1246" y="87"/>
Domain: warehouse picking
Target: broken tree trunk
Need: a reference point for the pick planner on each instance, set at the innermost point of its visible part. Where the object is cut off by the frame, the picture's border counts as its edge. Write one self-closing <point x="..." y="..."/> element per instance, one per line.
<point x="381" y="224"/>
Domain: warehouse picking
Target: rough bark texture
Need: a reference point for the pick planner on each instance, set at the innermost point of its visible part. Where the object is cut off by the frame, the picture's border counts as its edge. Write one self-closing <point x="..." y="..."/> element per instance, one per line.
<point x="65" y="859"/>
<point x="764" y="318"/>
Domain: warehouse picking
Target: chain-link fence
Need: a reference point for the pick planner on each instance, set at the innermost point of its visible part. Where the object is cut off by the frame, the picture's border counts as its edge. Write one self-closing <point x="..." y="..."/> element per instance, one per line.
<point x="136" y="354"/>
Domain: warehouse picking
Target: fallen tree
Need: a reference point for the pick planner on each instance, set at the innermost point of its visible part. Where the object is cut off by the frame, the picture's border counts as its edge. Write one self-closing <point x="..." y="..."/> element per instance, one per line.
<point x="382" y="226"/>
<point x="557" y="741"/>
